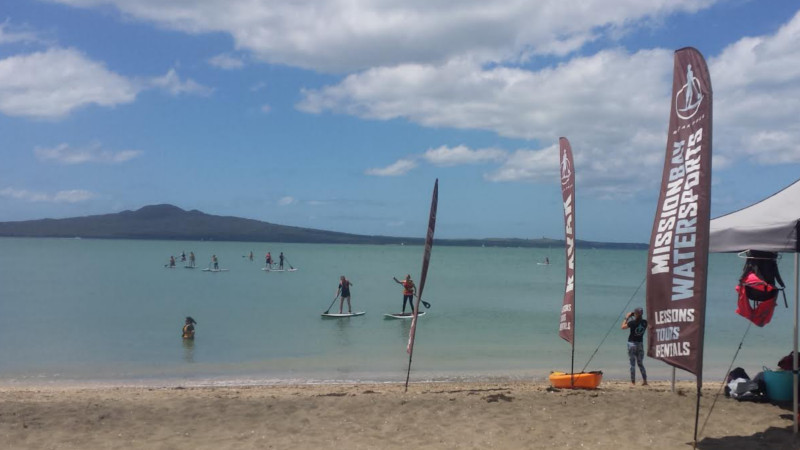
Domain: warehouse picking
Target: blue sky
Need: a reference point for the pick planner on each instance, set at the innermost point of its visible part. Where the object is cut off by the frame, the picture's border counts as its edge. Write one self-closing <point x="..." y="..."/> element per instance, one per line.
<point x="340" y="114"/>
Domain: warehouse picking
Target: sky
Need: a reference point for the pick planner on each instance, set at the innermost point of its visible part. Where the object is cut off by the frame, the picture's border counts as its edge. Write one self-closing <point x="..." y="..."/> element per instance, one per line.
<point x="340" y="114"/>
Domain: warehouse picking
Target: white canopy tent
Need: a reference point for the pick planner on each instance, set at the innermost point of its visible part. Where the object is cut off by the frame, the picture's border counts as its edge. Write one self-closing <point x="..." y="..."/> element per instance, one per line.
<point x="769" y="225"/>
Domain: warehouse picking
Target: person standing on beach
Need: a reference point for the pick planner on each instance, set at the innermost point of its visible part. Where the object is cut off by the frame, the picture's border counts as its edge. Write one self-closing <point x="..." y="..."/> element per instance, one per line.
<point x="408" y="292"/>
<point x="343" y="291"/>
<point x="637" y="325"/>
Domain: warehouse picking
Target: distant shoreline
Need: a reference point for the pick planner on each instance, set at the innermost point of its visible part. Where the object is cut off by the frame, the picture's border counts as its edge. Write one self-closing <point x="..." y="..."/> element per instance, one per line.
<point x="415" y="242"/>
<point x="171" y="223"/>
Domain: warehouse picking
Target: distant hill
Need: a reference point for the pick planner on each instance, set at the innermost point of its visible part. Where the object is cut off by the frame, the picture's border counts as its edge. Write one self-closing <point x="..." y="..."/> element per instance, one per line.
<point x="168" y="222"/>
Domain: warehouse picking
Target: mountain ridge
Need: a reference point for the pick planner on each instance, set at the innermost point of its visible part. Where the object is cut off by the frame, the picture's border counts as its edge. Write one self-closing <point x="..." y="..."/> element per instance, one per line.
<point x="170" y="222"/>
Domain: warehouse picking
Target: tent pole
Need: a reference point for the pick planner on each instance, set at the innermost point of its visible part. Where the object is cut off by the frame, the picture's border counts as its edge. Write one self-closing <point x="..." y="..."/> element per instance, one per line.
<point x="794" y="357"/>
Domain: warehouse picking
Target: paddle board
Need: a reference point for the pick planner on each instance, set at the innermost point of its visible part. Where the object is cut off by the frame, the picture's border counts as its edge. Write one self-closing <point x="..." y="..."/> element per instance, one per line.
<point x="337" y="315"/>
<point x="543" y="264"/>
<point x="189" y="267"/>
<point x="402" y="316"/>
<point x="215" y="270"/>
<point x="278" y="270"/>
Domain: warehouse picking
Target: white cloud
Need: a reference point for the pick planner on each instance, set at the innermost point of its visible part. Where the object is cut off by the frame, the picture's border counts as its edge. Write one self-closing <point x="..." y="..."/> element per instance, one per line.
<point x="286" y="201"/>
<point x="266" y="108"/>
<point x="171" y="82"/>
<point x="11" y="34"/>
<point x="64" y="154"/>
<point x="53" y="83"/>
<point x="70" y="196"/>
<point x="226" y="61"/>
<point x="613" y="107"/>
<point x="755" y="81"/>
<point x="400" y="167"/>
<point x="453" y="156"/>
<point x="528" y="165"/>
<point x="345" y="35"/>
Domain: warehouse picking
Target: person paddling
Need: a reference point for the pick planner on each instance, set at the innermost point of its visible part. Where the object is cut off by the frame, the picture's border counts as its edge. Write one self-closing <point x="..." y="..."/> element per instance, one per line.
<point x="280" y="261"/>
<point x="269" y="260"/>
<point x="215" y="261"/>
<point x="344" y="292"/>
<point x="172" y="261"/>
<point x="188" y="328"/>
<point x="191" y="259"/>
<point x="409" y="289"/>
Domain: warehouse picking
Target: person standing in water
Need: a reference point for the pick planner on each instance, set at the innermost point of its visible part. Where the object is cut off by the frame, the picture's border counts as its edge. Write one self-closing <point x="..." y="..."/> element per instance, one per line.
<point x="344" y="292"/>
<point x="280" y="259"/>
<point x="409" y="289"/>
<point x="188" y="328"/>
<point x="191" y="259"/>
<point x="633" y="321"/>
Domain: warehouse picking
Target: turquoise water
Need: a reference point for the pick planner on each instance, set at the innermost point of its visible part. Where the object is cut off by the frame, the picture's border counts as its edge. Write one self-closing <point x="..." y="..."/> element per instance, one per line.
<point x="108" y="311"/>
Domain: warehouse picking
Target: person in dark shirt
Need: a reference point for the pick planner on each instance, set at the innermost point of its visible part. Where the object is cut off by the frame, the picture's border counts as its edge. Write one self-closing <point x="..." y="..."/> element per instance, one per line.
<point x="344" y="292"/>
<point x="188" y="328"/>
<point x="637" y="326"/>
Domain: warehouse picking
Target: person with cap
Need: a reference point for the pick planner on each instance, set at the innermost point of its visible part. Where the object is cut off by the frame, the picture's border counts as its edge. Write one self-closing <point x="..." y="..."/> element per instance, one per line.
<point x="408" y="292"/>
<point x="637" y="325"/>
<point x="188" y="328"/>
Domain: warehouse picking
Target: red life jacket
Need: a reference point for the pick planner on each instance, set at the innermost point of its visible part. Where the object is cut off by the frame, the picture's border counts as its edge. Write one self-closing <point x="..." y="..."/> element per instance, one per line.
<point x="763" y="295"/>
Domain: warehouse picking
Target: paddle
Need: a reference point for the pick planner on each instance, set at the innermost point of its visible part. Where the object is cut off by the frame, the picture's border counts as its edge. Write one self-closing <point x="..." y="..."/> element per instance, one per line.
<point x="287" y="262"/>
<point x="331" y="305"/>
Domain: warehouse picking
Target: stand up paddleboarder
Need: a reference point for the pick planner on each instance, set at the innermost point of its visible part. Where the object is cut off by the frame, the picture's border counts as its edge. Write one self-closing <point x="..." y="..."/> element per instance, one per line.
<point x="409" y="289"/>
<point x="343" y="291"/>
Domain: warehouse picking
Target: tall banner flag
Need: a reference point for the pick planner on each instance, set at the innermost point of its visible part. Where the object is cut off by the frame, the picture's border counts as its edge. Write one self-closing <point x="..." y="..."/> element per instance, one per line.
<point x="566" y="325"/>
<point x="426" y="258"/>
<point x="677" y="261"/>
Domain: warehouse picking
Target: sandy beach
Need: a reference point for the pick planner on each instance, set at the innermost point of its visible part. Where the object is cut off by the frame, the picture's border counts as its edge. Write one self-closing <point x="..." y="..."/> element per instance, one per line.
<point x="442" y="415"/>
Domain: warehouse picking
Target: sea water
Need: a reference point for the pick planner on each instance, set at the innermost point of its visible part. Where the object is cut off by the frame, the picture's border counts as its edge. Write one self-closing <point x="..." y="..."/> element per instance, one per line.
<point x="85" y="311"/>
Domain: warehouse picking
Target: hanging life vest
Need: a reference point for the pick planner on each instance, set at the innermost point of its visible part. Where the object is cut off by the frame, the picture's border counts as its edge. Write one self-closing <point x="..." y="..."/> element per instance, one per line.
<point x="757" y="299"/>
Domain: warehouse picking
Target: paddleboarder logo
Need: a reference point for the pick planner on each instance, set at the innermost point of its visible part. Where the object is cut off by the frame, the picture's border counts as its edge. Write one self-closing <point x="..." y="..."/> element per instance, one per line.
<point x="689" y="97"/>
<point x="566" y="170"/>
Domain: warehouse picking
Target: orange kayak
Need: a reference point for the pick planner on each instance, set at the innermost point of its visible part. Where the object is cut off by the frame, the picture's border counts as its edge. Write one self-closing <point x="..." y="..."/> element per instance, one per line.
<point x="583" y="380"/>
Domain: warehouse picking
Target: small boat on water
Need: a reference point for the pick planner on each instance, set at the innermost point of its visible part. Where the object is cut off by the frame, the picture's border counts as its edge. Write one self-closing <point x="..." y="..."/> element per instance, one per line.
<point x="583" y="380"/>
